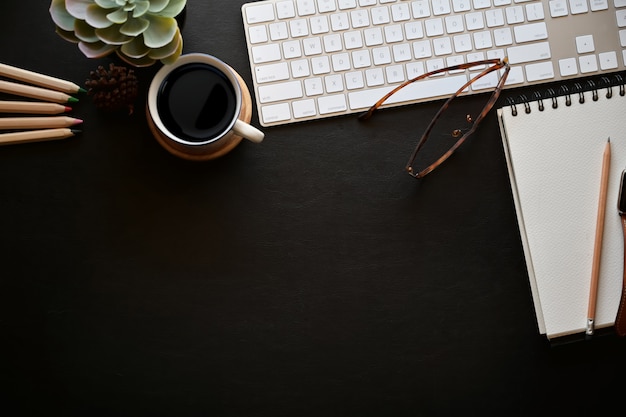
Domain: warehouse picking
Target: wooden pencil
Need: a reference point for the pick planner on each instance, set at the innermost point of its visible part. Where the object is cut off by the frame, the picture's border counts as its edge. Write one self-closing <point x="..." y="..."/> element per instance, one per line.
<point x="37" y="122"/>
<point x="36" y="135"/>
<point x="39" y="79"/>
<point x="32" y="107"/>
<point x="35" y="92"/>
<point x="597" y="251"/>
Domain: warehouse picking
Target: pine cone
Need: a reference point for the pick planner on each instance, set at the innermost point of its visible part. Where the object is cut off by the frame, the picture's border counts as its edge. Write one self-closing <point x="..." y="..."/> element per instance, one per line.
<point x="113" y="89"/>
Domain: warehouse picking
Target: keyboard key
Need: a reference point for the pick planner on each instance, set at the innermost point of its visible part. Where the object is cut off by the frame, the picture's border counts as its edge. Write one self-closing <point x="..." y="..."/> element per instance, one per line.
<point x="558" y="8"/>
<point x="474" y="21"/>
<point x="597" y="5"/>
<point x="265" y="53"/>
<point x="259" y="14"/>
<point x="300" y="68"/>
<point x="585" y="44"/>
<point x="534" y="12"/>
<point x="354" y="80"/>
<point x="258" y="34"/>
<point x="347" y="4"/>
<point x="514" y="15"/>
<point x="332" y="104"/>
<point x="608" y="60"/>
<point x="359" y="18"/>
<point x="380" y="15"/>
<point x="531" y="32"/>
<point x="285" y="9"/>
<point x="578" y="6"/>
<point x="528" y="53"/>
<point x="494" y="18"/>
<point x="280" y="91"/>
<point x="333" y="83"/>
<point x="313" y="86"/>
<point x="275" y="113"/>
<point x="441" y="7"/>
<point x="413" y="30"/>
<point x="420" y="9"/>
<point x="461" y="5"/>
<point x="621" y="18"/>
<point x="278" y="31"/>
<point x="305" y="7"/>
<point x="395" y="74"/>
<point x="374" y="77"/>
<point x="568" y="66"/>
<point x="400" y="12"/>
<point x="539" y="71"/>
<point x="325" y="6"/>
<point x="588" y="63"/>
<point x="304" y="108"/>
<point x="272" y="72"/>
<point x="312" y="46"/>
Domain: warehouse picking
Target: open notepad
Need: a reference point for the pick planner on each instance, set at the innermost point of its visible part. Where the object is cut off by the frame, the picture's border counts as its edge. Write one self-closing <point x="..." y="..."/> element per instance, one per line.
<point x="554" y="158"/>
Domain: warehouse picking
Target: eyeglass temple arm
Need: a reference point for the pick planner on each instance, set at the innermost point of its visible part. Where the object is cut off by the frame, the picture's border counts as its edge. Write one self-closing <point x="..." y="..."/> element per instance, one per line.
<point x="498" y="64"/>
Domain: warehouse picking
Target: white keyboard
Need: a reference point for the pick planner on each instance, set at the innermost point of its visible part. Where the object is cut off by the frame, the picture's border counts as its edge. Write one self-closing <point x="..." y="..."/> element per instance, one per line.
<point x="312" y="59"/>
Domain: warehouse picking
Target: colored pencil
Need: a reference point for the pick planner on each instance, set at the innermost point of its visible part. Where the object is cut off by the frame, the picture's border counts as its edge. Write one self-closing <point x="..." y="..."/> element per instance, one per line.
<point x="37" y="122"/>
<point x="39" y="79"/>
<point x="32" y="107"/>
<point x="36" y="135"/>
<point x="35" y="92"/>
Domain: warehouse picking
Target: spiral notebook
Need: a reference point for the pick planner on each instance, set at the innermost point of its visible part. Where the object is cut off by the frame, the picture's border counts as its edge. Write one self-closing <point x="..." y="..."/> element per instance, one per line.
<point x="554" y="145"/>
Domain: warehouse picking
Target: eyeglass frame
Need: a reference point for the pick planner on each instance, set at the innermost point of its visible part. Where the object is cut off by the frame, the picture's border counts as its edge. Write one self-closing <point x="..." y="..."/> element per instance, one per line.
<point x="494" y="65"/>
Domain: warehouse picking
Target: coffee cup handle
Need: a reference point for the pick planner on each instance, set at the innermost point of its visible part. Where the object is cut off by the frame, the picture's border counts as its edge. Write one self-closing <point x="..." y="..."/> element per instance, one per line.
<point x="247" y="131"/>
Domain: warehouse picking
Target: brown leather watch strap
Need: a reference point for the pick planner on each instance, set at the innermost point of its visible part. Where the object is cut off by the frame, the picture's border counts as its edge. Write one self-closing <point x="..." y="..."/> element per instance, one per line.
<point x="620" y="320"/>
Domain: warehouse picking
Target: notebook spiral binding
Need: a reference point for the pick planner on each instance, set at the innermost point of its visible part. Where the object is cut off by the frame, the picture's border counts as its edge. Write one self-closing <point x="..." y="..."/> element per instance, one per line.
<point x="608" y="83"/>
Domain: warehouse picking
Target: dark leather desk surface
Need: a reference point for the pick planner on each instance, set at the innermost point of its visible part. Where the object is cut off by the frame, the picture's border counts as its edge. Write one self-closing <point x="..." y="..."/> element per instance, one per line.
<point x="306" y="276"/>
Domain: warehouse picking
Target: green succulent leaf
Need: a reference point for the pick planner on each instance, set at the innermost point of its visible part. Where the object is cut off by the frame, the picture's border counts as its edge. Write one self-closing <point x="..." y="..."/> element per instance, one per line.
<point x="144" y="61"/>
<point x="160" y="32"/>
<point x="78" y="8"/>
<point x="69" y="36"/>
<point x="84" y="32"/>
<point x="112" y="35"/>
<point x="97" y="17"/>
<point x="119" y="16"/>
<point x="141" y="8"/>
<point x="172" y="58"/>
<point x="60" y="15"/>
<point x="135" y="48"/>
<point x="135" y="27"/>
<point x="173" y="9"/>
<point x="107" y="4"/>
<point x="96" y="49"/>
<point x="157" y="5"/>
<point x="169" y="49"/>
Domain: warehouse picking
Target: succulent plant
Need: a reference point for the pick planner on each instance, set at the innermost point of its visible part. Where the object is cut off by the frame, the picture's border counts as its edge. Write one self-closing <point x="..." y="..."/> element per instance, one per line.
<point x="139" y="31"/>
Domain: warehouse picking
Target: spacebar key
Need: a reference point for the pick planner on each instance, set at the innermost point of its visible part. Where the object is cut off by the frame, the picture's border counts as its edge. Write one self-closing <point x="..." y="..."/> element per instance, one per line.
<point x="280" y="91"/>
<point x="429" y="88"/>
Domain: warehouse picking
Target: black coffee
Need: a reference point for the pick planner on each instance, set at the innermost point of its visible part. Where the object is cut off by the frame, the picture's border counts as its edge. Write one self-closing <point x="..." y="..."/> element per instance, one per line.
<point x="196" y="102"/>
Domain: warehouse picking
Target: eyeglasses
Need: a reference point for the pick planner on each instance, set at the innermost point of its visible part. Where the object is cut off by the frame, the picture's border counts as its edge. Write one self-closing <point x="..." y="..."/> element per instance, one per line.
<point x="457" y="133"/>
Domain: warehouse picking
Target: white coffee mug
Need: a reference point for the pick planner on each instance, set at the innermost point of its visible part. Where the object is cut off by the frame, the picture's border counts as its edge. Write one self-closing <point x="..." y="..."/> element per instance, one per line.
<point x="200" y="108"/>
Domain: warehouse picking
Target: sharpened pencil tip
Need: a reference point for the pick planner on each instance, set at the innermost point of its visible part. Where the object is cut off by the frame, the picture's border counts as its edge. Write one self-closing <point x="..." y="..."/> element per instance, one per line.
<point x="82" y="90"/>
<point x="68" y="109"/>
<point x="72" y="100"/>
<point x="78" y="121"/>
<point x="76" y="131"/>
